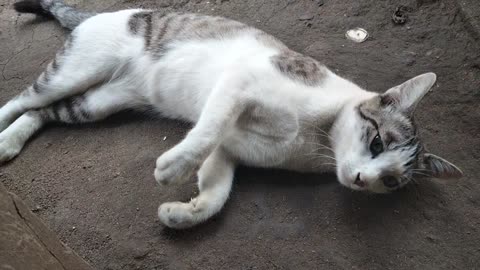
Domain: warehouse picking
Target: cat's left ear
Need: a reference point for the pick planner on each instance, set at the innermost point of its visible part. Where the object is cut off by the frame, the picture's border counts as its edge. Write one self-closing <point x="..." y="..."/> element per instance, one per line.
<point x="407" y="95"/>
<point x="438" y="167"/>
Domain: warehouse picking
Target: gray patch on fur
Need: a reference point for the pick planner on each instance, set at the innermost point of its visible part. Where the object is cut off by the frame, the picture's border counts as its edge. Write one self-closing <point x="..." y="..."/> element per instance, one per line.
<point x="141" y="23"/>
<point x="160" y="30"/>
<point x="70" y="110"/>
<point x="41" y="84"/>
<point x="397" y="130"/>
<point x="299" y="67"/>
<point x="389" y="120"/>
<point x="68" y="16"/>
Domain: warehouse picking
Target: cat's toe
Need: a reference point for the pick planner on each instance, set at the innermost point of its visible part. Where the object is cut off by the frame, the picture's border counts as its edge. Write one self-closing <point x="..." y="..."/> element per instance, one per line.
<point x="174" y="168"/>
<point x="176" y="215"/>
<point x="8" y="150"/>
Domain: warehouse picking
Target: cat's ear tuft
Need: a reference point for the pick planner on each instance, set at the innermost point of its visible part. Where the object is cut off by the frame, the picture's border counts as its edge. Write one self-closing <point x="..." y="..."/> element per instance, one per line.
<point x="438" y="167"/>
<point x="407" y="95"/>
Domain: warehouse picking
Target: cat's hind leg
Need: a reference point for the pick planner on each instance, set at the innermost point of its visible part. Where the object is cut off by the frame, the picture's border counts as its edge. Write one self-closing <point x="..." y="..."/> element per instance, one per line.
<point x="215" y="179"/>
<point x="94" y="105"/>
<point x="74" y="70"/>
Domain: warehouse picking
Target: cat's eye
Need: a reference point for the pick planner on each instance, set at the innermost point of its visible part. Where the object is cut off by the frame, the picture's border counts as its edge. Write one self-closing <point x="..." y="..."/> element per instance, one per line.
<point x="390" y="181"/>
<point x="376" y="146"/>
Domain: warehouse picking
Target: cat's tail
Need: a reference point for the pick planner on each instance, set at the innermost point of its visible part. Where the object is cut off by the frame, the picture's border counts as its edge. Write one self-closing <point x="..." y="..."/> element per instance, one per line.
<point x="68" y="16"/>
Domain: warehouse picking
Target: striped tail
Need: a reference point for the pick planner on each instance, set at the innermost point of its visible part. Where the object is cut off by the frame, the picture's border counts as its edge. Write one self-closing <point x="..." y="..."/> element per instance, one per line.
<point x="68" y="16"/>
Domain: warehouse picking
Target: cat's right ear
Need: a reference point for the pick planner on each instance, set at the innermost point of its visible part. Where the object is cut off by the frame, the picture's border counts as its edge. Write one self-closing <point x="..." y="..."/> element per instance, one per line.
<point x="407" y="95"/>
<point x="438" y="167"/>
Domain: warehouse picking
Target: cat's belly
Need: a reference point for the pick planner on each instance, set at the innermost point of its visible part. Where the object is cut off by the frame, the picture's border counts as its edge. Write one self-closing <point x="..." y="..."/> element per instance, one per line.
<point x="296" y="155"/>
<point x="181" y="81"/>
<point x="253" y="150"/>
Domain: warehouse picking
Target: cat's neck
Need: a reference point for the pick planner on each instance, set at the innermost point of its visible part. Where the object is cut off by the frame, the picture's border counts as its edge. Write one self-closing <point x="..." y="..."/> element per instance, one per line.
<point x="328" y="99"/>
<point x="319" y="110"/>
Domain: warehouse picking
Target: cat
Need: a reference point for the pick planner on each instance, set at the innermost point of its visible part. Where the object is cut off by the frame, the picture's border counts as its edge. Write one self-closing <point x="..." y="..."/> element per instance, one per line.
<point x="253" y="101"/>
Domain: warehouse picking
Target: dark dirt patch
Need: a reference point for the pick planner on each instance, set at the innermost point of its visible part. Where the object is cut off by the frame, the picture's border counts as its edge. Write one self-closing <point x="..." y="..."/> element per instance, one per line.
<point x="98" y="178"/>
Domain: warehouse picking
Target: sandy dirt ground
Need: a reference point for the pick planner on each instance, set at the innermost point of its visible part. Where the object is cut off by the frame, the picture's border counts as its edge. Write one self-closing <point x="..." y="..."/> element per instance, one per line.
<point x="93" y="184"/>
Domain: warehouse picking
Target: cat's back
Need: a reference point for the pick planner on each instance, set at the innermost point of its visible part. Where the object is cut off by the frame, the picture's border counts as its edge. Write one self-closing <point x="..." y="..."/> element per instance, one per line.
<point x="161" y="30"/>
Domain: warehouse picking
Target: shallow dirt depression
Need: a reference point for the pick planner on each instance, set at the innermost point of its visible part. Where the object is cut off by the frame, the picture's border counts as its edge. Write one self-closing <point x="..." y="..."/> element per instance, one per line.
<point x="93" y="184"/>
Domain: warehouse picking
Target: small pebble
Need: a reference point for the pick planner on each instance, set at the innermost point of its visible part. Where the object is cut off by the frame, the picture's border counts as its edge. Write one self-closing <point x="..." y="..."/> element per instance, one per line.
<point x="431" y="238"/>
<point x="306" y="17"/>
<point x="164" y="138"/>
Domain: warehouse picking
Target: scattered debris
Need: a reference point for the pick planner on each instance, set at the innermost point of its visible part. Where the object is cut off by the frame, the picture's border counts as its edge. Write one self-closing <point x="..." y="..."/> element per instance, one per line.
<point x="431" y="238"/>
<point x="306" y="19"/>
<point x="357" y="35"/>
<point x="399" y="16"/>
<point x="435" y="52"/>
<point x="140" y="253"/>
<point x="409" y="58"/>
<point x="427" y="215"/>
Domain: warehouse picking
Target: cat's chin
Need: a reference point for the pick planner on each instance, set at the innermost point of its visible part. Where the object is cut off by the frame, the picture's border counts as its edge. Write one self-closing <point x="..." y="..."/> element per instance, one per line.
<point x="372" y="190"/>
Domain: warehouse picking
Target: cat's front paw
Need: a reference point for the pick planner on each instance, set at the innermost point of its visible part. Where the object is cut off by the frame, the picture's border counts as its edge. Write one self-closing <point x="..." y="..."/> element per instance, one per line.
<point x="175" y="166"/>
<point x="9" y="149"/>
<point x="177" y="215"/>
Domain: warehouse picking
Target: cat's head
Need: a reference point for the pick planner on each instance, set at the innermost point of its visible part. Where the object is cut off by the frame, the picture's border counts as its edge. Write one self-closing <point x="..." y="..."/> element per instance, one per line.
<point x="376" y="142"/>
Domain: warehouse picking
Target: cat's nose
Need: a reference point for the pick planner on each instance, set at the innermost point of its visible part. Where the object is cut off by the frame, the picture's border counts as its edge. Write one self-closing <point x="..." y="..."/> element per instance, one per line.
<point x="359" y="182"/>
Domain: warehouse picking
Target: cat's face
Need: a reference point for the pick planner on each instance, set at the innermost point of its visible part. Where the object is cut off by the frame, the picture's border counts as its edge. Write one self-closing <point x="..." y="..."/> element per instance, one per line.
<point x="376" y="143"/>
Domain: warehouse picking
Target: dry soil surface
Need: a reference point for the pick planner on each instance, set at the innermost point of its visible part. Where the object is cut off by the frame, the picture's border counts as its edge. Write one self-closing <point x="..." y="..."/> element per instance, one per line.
<point x="93" y="184"/>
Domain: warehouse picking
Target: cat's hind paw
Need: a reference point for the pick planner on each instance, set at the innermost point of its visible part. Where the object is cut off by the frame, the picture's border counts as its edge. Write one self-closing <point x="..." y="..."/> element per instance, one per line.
<point x="174" y="166"/>
<point x="8" y="150"/>
<point x="178" y="215"/>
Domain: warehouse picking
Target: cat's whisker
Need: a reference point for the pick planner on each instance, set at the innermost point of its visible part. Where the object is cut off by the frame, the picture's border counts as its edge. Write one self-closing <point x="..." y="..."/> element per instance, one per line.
<point x="321" y="145"/>
<point x="325" y="164"/>
<point x="419" y="170"/>
<point x="318" y="134"/>
<point x="325" y="156"/>
<point x="423" y="174"/>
